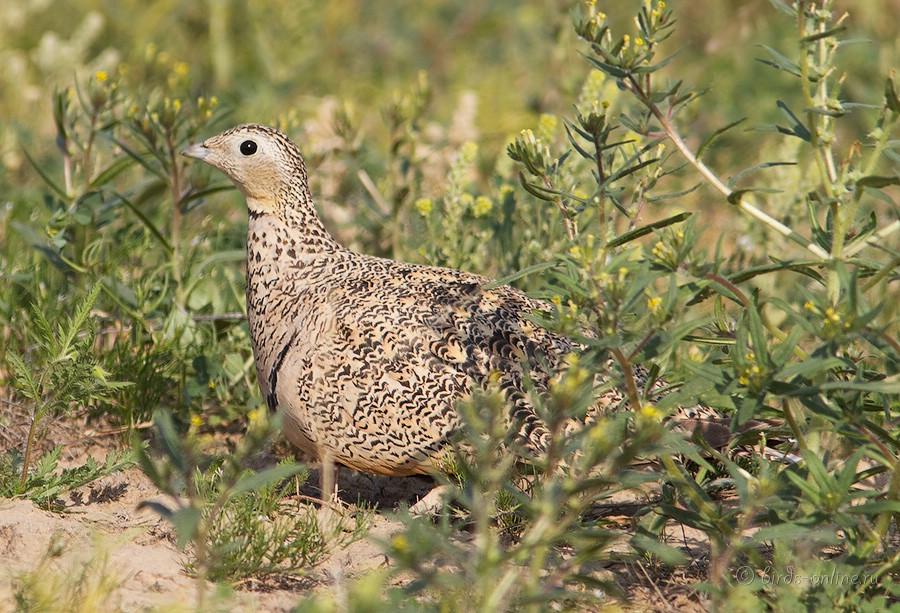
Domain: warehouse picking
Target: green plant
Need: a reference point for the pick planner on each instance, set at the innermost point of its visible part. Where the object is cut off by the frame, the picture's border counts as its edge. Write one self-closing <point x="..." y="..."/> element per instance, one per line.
<point x="235" y="518"/>
<point x="61" y="371"/>
<point x="44" y="483"/>
<point x="118" y="204"/>
<point x="532" y="541"/>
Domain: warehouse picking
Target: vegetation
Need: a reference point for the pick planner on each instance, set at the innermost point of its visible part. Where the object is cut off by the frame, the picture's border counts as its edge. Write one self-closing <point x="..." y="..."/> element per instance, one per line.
<point x="233" y="517"/>
<point x="741" y="239"/>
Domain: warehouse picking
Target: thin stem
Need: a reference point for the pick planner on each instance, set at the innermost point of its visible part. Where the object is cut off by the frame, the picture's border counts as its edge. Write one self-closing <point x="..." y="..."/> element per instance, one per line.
<point x="571" y="229"/>
<point x="631" y="389"/>
<point x="601" y="179"/>
<point x="717" y="183"/>
<point x="826" y="169"/>
<point x="792" y="423"/>
<point x="175" y="228"/>
<point x="29" y="448"/>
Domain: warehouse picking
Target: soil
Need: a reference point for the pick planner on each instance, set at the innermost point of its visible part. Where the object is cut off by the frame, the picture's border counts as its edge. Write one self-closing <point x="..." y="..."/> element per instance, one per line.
<point x="102" y="529"/>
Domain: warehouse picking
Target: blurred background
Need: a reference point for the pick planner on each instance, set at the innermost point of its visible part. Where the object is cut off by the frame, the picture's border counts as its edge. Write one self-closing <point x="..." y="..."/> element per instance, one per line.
<point x="285" y="58"/>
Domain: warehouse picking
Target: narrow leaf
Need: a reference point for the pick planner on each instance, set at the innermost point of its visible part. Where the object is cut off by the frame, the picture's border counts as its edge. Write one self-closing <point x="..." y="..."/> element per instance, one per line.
<point x="273" y="474"/>
<point x="631" y="235"/>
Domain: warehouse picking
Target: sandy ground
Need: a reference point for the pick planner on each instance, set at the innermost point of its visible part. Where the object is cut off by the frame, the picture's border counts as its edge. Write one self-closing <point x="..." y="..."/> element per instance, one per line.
<point x="103" y="533"/>
<point x="102" y="527"/>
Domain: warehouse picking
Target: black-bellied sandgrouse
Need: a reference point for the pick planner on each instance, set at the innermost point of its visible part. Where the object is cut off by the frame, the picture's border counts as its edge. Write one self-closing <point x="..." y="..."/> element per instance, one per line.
<point x="366" y="357"/>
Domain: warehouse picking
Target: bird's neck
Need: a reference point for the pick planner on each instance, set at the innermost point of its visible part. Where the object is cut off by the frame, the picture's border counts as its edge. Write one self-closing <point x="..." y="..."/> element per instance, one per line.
<point x="286" y="238"/>
<point x="286" y="225"/>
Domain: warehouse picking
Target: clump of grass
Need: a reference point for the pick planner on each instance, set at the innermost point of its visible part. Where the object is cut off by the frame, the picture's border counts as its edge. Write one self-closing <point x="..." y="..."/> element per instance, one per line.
<point x="235" y="519"/>
<point x="76" y="586"/>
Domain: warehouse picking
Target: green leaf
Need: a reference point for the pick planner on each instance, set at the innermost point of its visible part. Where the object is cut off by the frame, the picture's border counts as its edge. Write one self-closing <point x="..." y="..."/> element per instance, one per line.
<point x="611" y="70"/>
<point x="169" y="439"/>
<point x="875" y="507"/>
<point x="810" y="366"/>
<point x="528" y="270"/>
<point x="667" y="554"/>
<point x="804" y="267"/>
<point x="186" y="521"/>
<point x="157" y="234"/>
<point x="780" y="61"/>
<point x="47" y="179"/>
<point x="797" y="128"/>
<point x="688" y="518"/>
<point x="820" y="35"/>
<point x="735" y="178"/>
<point x="878" y="182"/>
<point x="631" y="235"/>
<point x="821" y="110"/>
<point x="887" y="386"/>
<point x="140" y="159"/>
<point x="709" y="140"/>
<point x="263" y="478"/>
<point x="157" y="507"/>
<point x="785" y="348"/>
<point x="790" y="531"/>
<point x="146" y="463"/>
<point x="890" y="94"/>
<point x="110" y="172"/>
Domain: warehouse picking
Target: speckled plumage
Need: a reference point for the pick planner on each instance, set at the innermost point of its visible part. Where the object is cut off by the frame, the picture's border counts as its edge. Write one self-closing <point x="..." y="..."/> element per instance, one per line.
<point x="365" y="356"/>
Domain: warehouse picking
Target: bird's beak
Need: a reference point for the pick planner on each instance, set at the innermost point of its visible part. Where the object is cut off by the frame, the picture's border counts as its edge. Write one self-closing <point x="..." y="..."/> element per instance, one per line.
<point x="199" y="151"/>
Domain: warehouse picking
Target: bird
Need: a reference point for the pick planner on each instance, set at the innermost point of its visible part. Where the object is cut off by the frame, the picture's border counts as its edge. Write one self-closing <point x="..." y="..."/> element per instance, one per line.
<point x="367" y="357"/>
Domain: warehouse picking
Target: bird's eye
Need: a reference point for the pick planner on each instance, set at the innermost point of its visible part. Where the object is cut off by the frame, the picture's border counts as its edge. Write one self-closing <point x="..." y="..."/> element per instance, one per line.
<point x="248" y="147"/>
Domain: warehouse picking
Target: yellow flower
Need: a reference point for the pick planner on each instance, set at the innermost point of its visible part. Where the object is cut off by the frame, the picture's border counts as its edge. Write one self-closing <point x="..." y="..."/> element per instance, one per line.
<point x="653" y="302"/>
<point x="181" y="68"/>
<point x="101" y="76"/>
<point x="424" y="206"/>
<point x="196" y="420"/>
<point x="650" y="411"/>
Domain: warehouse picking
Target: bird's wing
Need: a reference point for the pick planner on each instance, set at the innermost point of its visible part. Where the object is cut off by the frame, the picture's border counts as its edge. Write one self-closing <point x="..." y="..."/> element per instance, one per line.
<point x="413" y="339"/>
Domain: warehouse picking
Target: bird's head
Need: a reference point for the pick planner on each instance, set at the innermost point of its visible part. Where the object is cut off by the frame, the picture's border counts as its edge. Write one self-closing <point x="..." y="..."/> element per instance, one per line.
<point x="261" y="161"/>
